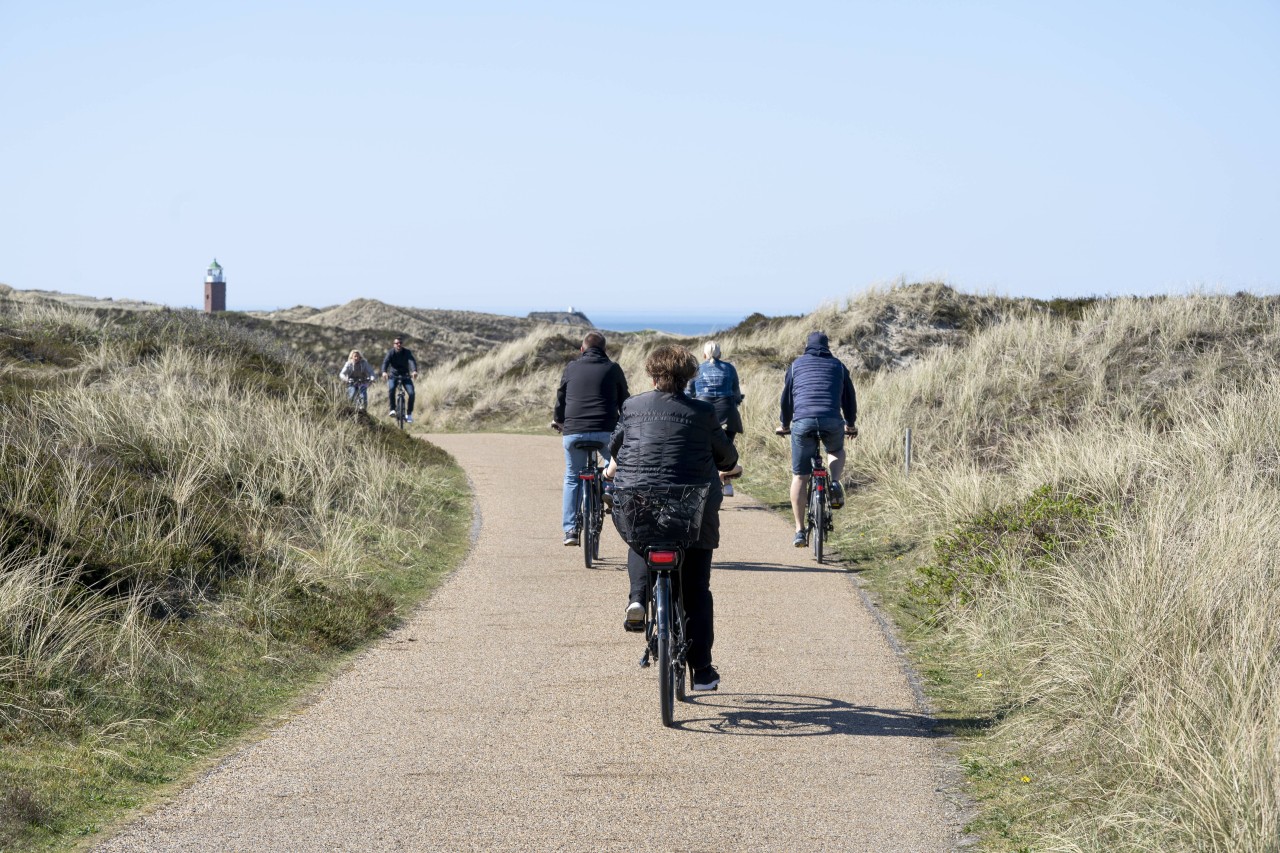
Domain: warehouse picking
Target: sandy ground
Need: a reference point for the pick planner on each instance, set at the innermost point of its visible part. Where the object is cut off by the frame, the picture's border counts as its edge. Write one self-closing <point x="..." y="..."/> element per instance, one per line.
<point x="510" y="714"/>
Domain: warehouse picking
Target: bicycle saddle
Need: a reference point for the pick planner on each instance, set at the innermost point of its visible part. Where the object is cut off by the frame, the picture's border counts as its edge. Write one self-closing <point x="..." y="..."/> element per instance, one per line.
<point x="589" y="445"/>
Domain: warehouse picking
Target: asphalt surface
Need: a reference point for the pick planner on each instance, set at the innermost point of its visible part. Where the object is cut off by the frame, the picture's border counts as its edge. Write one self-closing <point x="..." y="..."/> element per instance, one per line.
<point x="509" y="713"/>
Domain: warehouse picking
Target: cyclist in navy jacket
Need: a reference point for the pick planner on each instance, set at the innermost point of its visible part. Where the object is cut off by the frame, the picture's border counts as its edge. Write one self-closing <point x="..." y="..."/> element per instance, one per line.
<point x="818" y="402"/>
<point x="399" y="367"/>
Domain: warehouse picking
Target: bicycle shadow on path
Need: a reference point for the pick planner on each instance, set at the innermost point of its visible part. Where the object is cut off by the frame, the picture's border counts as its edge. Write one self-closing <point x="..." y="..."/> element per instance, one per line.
<point x="739" y="566"/>
<point x="782" y="715"/>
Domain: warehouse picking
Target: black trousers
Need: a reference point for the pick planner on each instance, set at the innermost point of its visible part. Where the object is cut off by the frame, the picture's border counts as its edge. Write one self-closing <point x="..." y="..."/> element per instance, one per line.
<point x="695" y="590"/>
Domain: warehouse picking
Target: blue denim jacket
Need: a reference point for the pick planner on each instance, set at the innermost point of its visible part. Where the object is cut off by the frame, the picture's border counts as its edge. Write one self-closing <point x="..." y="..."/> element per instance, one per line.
<point x="715" y="379"/>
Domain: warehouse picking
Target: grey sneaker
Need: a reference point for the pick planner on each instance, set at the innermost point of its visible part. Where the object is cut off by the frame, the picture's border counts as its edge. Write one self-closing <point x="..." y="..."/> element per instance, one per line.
<point x="634" y="620"/>
<point x="408" y="419"/>
<point x="801" y="540"/>
<point x="571" y="540"/>
<point x="837" y="495"/>
<point x="728" y="490"/>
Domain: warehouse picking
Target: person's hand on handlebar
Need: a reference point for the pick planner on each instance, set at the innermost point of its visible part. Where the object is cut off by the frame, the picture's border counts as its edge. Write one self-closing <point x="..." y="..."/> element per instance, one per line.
<point x="726" y="476"/>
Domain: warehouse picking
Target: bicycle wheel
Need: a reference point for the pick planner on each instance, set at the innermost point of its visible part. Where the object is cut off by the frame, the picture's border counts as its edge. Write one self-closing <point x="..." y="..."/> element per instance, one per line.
<point x="586" y="518"/>
<point x="817" y="524"/>
<point x="666" y="685"/>
<point x="681" y="648"/>
<point x="598" y="490"/>
<point x="402" y="405"/>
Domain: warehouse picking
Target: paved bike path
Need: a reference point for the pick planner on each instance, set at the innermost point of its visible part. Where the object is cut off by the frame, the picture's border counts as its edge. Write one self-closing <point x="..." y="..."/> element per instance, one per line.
<point x="510" y="714"/>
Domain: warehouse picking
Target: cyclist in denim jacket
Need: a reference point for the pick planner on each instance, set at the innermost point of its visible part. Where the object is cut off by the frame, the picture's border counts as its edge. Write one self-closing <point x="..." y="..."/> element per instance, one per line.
<point x="717" y="384"/>
<point x="817" y="403"/>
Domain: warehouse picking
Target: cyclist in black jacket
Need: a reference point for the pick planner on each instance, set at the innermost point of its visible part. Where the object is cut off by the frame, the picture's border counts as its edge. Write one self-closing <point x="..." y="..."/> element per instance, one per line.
<point x="399" y="366"/>
<point x="588" y="401"/>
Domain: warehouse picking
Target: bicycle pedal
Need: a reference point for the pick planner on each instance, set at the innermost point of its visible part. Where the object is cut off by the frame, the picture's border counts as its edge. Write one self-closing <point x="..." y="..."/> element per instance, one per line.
<point x="644" y="661"/>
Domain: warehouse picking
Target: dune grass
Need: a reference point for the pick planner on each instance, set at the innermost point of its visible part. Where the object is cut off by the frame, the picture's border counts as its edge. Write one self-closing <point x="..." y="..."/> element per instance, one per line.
<point x="1082" y="558"/>
<point x="192" y="529"/>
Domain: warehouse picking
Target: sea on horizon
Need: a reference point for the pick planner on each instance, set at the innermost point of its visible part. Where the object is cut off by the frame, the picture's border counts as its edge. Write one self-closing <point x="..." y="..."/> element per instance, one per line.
<point x="684" y="326"/>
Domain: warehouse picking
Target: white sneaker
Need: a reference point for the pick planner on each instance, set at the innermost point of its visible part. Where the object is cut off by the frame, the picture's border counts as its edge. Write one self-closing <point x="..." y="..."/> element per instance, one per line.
<point x="728" y="490"/>
<point x="634" y="620"/>
<point x="391" y="414"/>
<point x="408" y="419"/>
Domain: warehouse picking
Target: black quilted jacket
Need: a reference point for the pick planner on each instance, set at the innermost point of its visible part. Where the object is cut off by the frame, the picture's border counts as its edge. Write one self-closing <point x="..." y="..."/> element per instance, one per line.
<point x="670" y="440"/>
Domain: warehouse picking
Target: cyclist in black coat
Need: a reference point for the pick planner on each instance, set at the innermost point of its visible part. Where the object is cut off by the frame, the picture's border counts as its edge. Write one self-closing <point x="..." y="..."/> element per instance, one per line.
<point x="664" y="438"/>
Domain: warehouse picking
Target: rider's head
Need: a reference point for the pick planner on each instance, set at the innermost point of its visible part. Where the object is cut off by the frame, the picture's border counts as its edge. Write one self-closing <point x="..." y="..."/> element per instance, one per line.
<point x="355" y="355"/>
<point x="817" y="340"/>
<point x="671" y="367"/>
<point x="711" y="349"/>
<point x="593" y="339"/>
<point x="397" y="343"/>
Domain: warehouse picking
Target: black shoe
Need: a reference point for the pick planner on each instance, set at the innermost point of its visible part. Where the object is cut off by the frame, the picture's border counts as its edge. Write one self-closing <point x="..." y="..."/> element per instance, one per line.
<point x="571" y="539"/>
<point x="837" y="495"/>
<point x="706" y="678"/>
<point x="634" y="620"/>
<point x="800" y="541"/>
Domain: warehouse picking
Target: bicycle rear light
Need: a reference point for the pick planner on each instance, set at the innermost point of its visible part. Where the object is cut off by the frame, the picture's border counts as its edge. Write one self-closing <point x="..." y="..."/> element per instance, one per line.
<point x="663" y="558"/>
<point x="586" y="476"/>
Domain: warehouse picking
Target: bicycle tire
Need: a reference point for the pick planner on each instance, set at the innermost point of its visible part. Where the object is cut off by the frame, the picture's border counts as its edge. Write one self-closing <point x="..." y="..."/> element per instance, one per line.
<point x="598" y="490"/>
<point x="586" y="517"/>
<point x="678" y="672"/>
<point x="666" y="687"/>
<point x="402" y="404"/>
<point x="817" y="522"/>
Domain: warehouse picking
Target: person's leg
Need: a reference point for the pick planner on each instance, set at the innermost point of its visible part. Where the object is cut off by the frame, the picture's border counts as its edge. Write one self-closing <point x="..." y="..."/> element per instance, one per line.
<point x="799" y="490"/>
<point x="391" y="394"/>
<point x="352" y="390"/>
<point x="695" y="575"/>
<point x="574" y="459"/>
<point x="638" y="572"/>
<point x="804" y="443"/>
<point x="408" y="384"/>
<point x="833" y="441"/>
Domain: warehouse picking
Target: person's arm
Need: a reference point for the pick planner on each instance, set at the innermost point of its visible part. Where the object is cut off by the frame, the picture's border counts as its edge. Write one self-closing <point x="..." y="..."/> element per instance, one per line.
<point x="786" y="400"/>
<point x="557" y="414"/>
<point x="738" y="396"/>
<point x="621" y="387"/>
<point x="386" y="362"/>
<point x="849" y="401"/>
<point x="345" y="372"/>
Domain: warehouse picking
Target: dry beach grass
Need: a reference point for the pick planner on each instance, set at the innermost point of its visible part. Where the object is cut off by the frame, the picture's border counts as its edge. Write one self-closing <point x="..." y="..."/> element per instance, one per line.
<point x="191" y="527"/>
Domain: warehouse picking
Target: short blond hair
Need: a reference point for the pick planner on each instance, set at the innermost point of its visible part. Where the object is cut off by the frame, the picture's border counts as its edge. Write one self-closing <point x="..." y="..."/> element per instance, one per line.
<point x="711" y="349"/>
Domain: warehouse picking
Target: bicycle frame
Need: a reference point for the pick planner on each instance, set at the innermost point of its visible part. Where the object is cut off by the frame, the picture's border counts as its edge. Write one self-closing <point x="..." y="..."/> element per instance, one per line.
<point x="591" y="506"/>
<point x="665" y="631"/>
<point x="818" y="515"/>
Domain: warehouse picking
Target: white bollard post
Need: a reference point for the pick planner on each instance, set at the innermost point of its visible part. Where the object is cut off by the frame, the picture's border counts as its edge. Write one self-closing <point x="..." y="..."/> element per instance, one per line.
<point x="906" y="454"/>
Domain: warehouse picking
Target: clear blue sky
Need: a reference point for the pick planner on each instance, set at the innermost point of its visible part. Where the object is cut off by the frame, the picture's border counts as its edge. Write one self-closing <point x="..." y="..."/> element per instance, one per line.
<point x="654" y="157"/>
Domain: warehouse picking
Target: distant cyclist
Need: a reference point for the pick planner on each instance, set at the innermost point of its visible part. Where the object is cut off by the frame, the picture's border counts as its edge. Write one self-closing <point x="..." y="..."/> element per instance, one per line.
<point x="588" y="402"/>
<point x="399" y="367"/>
<point x="818" y="403"/>
<point x="357" y="373"/>
<point x="717" y="384"/>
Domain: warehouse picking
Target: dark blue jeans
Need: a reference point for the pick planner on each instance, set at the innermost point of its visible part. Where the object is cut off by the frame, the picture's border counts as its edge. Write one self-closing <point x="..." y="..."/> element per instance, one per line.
<point x="391" y="392"/>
